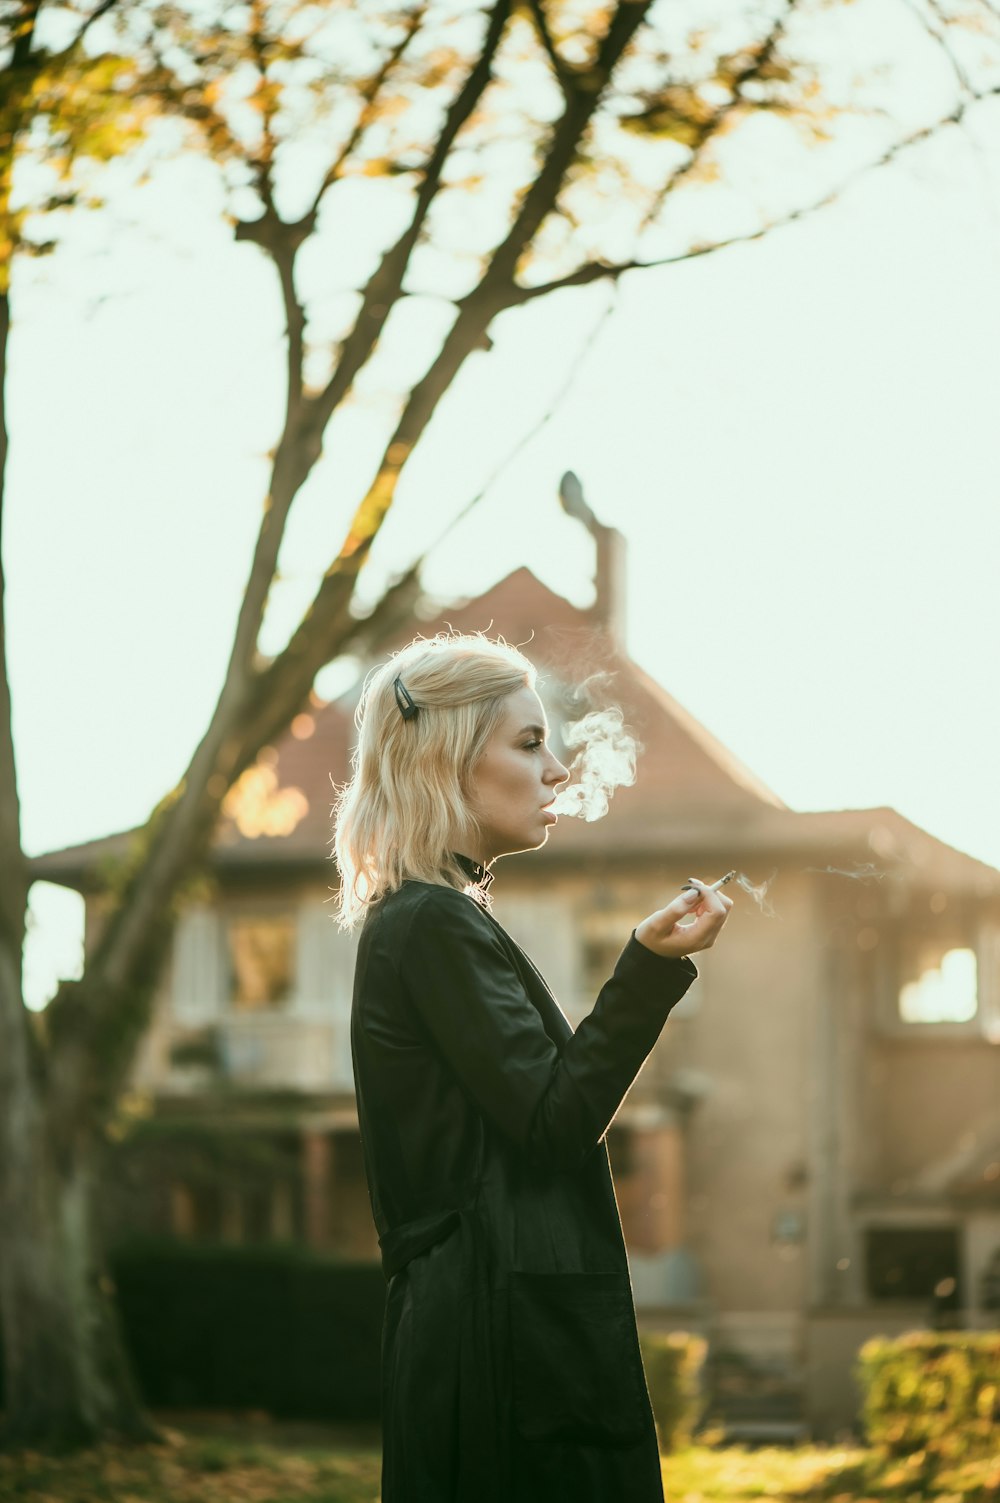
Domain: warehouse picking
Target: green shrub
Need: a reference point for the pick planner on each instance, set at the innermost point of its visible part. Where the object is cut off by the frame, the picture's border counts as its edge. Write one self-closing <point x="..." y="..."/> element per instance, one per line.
<point x="673" y="1362"/>
<point x="274" y="1328"/>
<point x="932" y="1397"/>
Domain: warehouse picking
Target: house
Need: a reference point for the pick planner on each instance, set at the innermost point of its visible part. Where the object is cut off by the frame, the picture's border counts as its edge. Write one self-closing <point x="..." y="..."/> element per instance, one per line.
<point x="810" y="1155"/>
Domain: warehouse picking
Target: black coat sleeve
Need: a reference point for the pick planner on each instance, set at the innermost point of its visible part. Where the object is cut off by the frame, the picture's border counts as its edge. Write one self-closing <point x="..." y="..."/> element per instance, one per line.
<point x="555" y="1105"/>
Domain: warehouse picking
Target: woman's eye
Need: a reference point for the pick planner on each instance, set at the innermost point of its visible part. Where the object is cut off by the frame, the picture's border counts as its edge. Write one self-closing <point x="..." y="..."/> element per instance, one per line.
<point x="530" y="745"/>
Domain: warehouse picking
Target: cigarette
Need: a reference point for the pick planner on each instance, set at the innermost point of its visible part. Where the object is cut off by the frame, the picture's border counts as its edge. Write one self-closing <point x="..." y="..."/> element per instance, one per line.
<point x="713" y="886"/>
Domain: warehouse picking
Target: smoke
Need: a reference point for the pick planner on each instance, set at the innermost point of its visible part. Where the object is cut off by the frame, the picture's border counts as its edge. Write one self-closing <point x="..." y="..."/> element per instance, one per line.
<point x="758" y="891"/>
<point x="605" y="761"/>
<point x="863" y="872"/>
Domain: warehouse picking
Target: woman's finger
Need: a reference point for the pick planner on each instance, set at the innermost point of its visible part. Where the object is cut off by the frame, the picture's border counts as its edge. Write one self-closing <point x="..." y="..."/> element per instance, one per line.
<point x="714" y="900"/>
<point x="686" y="901"/>
<point x="691" y="921"/>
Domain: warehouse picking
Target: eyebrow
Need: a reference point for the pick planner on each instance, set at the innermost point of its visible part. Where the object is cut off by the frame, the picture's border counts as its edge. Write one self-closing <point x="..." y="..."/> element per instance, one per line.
<point x="539" y="730"/>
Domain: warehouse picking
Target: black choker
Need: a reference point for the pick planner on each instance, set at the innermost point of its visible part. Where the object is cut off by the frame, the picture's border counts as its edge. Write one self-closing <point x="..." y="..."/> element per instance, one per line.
<point x="478" y="873"/>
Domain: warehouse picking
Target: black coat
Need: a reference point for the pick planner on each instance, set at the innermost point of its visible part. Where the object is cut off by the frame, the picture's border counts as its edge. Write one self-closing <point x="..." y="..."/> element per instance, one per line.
<point x="510" y="1362"/>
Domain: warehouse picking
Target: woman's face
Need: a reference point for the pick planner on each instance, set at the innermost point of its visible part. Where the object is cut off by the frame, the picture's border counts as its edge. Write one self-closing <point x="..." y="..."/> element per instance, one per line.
<point x="515" y="777"/>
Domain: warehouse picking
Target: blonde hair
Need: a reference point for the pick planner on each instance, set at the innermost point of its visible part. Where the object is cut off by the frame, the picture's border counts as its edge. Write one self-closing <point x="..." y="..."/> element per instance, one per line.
<point x="408" y="800"/>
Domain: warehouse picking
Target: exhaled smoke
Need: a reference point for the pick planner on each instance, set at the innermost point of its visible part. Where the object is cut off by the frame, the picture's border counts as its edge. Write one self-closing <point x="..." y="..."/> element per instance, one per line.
<point x="605" y="761"/>
<point x="863" y="872"/>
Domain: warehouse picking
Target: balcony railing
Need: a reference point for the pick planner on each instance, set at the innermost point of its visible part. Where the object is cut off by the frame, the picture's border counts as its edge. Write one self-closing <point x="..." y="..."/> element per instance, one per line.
<point x="260" y="1051"/>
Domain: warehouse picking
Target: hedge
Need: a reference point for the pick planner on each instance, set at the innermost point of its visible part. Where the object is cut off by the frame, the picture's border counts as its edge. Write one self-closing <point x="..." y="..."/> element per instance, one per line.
<point x="933" y="1395"/>
<point x="297" y="1335"/>
<point x="673" y="1363"/>
<point x="271" y="1328"/>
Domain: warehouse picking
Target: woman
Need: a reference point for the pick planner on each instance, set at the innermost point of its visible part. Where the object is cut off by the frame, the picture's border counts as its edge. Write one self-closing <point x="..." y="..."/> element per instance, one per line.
<point x="510" y="1361"/>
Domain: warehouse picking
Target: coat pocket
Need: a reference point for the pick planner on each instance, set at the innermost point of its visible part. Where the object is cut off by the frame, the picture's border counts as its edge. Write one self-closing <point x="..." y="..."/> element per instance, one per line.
<point x="575" y="1366"/>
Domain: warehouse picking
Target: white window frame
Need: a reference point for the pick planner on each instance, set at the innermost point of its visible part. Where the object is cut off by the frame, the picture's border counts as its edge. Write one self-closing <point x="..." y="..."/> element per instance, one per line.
<point x="197" y="981"/>
<point x="984" y="940"/>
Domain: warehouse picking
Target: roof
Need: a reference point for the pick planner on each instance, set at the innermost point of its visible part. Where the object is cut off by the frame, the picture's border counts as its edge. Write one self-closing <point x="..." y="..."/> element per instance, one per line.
<point x="967" y="1170"/>
<point x="692" y="795"/>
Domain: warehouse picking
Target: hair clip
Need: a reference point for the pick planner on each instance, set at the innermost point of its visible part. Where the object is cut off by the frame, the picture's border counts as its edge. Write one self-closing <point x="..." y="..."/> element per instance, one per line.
<point x="406" y="706"/>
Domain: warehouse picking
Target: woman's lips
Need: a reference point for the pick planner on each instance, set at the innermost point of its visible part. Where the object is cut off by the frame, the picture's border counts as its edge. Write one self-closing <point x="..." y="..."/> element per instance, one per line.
<point x="552" y="818"/>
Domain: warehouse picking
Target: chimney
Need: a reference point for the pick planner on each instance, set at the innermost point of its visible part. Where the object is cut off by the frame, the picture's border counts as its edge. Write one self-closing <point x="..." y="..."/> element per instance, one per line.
<point x="609" y="609"/>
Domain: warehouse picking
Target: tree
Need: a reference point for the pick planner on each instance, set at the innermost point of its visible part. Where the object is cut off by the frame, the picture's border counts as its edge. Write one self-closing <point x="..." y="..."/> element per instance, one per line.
<point x="59" y="104"/>
<point x="533" y="113"/>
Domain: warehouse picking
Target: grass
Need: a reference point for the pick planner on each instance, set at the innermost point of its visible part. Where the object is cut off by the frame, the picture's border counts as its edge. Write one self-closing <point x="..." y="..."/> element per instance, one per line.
<point x="193" y="1469"/>
<point x="703" y="1475"/>
<point x="224" y="1466"/>
<point x="820" y="1474"/>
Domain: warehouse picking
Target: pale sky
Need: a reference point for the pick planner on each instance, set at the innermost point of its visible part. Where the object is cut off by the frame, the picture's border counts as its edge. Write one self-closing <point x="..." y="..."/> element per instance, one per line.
<point x="797" y="436"/>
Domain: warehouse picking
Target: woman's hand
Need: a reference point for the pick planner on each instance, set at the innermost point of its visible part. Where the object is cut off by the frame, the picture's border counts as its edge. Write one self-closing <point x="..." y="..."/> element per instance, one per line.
<point x="664" y="934"/>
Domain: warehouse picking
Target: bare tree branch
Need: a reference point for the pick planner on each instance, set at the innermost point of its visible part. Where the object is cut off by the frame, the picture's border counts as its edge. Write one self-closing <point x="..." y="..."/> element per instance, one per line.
<point x="760" y="55"/>
<point x="274" y="695"/>
<point x="385" y="285"/>
<point x="563" y="72"/>
<point x="574" y="371"/>
<point x="940" y="39"/>
<point x="122" y="955"/>
<point x="287" y="681"/>
<point x="595" y="271"/>
<point x="22" y="55"/>
<point x="95" y="1024"/>
<point x="106" y="1021"/>
<point x="24" y="34"/>
<point x="96" y="15"/>
<point x="938" y="34"/>
<point x="195" y="106"/>
<point x="281" y="240"/>
<point x="563" y="149"/>
<point x="369" y="108"/>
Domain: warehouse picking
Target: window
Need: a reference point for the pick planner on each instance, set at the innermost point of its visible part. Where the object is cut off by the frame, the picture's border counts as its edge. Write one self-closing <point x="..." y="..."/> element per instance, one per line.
<point x="942" y="987"/>
<point x="915" y="1263"/>
<point x="938" y="976"/>
<point x="600" y="955"/>
<point x="260" y="950"/>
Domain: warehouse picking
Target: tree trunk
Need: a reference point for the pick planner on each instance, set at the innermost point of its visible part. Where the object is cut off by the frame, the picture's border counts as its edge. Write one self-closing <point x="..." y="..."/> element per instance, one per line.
<point x="67" y="1378"/>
